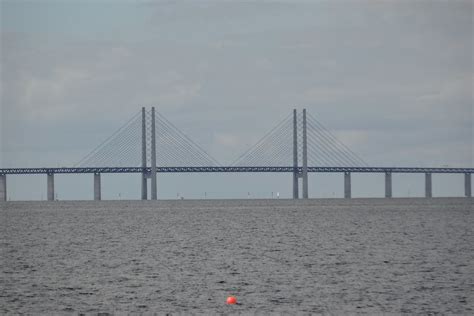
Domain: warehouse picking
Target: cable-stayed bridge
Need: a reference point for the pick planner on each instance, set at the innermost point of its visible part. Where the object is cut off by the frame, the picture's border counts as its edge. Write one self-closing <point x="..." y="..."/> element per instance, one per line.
<point x="149" y="144"/>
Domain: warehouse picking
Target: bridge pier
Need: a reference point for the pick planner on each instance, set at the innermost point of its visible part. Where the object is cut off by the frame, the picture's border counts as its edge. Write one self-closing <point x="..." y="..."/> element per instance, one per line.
<point x="144" y="175"/>
<point x="144" y="186"/>
<point x="295" y="157"/>
<point x="153" y="156"/>
<point x="347" y="185"/>
<point x="3" y="187"/>
<point x="295" y="185"/>
<point x="305" y="158"/>
<point x="467" y="185"/>
<point x="388" y="184"/>
<point x="50" y="186"/>
<point x="97" y="188"/>
<point x="428" y="187"/>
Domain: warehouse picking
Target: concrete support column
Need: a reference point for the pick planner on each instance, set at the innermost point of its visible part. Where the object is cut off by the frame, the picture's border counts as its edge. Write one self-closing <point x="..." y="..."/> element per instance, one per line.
<point x="428" y="190"/>
<point x="388" y="184"/>
<point x="295" y="157"/>
<point x="347" y="185"/>
<point x="3" y="187"/>
<point x="97" y="189"/>
<point x="153" y="156"/>
<point x="50" y="186"/>
<point x="305" y="158"/>
<point x="144" y="175"/>
<point x="467" y="185"/>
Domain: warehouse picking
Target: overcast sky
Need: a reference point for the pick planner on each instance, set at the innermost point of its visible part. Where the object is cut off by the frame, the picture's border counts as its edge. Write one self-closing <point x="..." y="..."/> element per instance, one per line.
<point x="392" y="79"/>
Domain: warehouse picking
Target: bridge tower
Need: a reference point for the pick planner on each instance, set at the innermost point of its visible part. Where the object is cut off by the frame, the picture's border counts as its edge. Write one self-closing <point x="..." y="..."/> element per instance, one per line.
<point x="295" y="156"/>
<point x="305" y="158"/>
<point x="144" y="172"/>
<point x="153" y="156"/>
<point x="296" y="173"/>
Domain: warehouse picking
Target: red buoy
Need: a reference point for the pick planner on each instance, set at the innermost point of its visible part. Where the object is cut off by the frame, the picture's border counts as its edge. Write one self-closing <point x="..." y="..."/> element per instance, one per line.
<point x="231" y="300"/>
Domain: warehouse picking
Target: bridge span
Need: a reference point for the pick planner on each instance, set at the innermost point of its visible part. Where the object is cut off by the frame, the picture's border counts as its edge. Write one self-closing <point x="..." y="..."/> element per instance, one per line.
<point x="233" y="169"/>
<point x="314" y="150"/>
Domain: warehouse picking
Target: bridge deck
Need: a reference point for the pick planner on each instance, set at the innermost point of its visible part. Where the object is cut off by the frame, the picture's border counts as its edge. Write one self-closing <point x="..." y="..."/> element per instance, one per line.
<point x="234" y="169"/>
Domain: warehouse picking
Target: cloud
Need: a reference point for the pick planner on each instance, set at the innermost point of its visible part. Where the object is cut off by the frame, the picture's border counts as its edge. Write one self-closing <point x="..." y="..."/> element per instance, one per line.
<point x="391" y="74"/>
<point x="352" y="138"/>
<point x="226" y="140"/>
<point x="46" y="98"/>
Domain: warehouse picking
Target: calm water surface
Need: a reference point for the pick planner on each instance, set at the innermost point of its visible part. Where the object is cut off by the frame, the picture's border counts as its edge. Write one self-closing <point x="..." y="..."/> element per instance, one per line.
<point x="283" y="256"/>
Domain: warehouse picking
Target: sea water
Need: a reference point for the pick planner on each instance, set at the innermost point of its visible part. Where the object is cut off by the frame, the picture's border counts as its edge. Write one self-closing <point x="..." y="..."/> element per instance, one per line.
<point x="275" y="256"/>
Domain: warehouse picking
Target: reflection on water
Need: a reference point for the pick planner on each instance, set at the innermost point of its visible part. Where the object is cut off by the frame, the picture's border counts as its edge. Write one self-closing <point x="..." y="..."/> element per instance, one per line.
<point x="316" y="256"/>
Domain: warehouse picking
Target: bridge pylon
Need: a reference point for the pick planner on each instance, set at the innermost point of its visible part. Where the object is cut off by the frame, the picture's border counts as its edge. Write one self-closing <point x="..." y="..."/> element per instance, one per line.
<point x="295" y="156"/>
<point x="304" y="172"/>
<point x="153" y="156"/>
<point x="144" y="173"/>
<point x="305" y="158"/>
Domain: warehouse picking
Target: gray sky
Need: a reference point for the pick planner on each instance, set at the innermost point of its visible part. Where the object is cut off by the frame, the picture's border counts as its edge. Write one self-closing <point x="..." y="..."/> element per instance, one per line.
<point x="392" y="79"/>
